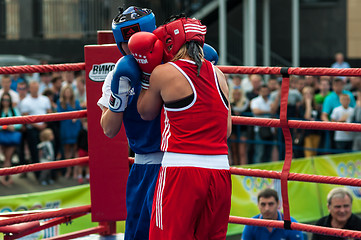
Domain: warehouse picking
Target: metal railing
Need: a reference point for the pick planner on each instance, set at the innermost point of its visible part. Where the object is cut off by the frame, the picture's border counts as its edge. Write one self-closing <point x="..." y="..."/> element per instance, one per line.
<point x="235" y="50"/>
<point x="55" y="19"/>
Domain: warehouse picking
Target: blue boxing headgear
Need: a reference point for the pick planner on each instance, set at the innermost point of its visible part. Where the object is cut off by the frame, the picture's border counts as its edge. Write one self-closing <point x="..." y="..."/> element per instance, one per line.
<point x="132" y="20"/>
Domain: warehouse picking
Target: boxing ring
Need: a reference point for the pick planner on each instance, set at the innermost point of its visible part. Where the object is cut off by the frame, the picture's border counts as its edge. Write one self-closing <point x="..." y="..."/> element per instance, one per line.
<point x="108" y="202"/>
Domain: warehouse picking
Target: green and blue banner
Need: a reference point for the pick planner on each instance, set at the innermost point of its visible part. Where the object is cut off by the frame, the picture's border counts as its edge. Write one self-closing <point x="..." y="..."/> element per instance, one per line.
<point x="307" y="200"/>
<point x="59" y="198"/>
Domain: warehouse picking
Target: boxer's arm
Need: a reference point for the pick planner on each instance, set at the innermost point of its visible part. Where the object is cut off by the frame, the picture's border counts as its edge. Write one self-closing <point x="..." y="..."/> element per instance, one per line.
<point x="229" y="123"/>
<point x="147" y="49"/>
<point x="111" y="122"/>
<point x="115" y="94"/>
<point x="150" y="101"/>
<point x="224" y="88"/>
<point x="104" y="99"/>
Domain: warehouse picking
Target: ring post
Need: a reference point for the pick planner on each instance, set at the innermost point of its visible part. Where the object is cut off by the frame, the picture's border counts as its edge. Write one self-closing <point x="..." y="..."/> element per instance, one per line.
<point x="108" y="158"/>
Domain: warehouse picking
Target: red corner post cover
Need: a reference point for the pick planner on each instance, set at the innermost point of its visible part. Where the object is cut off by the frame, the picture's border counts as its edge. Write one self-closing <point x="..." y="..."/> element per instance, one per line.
<point x="108" y="158"/>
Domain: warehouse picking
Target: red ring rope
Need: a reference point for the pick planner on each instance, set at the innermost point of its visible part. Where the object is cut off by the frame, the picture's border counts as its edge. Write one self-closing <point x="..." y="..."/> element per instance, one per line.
<point x="292" y="71"/>
<point x="44" y="166"/>
<point x="296" y="226"/>
<point x="45" y="215"/>
<point x="43" y="118"/>
<point x="43" y="68"/>
<point x="268" y="122"/>
<point x="225" y="69"/>
<point x="23" y="229"/>
<point x="283" y="123"/>
<point x="288" y="149"/>
<point x="81" y="233"/>
<point x="297" y="176"/>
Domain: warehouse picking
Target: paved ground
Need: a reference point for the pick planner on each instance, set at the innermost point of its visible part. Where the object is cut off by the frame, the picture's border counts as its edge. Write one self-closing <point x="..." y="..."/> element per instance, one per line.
<point x="30" y="185"/>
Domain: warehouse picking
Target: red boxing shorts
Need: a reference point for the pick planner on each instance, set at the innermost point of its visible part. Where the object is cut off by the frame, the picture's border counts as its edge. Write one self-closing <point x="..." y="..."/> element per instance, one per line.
<point x="191" y="203"/>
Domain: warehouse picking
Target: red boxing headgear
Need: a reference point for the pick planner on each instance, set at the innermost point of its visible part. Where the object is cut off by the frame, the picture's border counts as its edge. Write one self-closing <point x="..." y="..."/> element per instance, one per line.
<point x="178" y="32"/>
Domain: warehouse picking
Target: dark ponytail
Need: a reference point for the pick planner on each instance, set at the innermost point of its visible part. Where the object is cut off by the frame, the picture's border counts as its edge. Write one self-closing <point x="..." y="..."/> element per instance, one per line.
<point x="195" y="52"/>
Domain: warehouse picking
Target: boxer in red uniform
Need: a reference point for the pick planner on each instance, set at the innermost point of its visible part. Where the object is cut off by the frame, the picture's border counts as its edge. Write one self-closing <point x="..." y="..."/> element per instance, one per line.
<point x="193" y="195"/>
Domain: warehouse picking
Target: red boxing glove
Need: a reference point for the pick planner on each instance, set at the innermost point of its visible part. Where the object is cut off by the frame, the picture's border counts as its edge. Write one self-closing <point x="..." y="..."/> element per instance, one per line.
<point x="147" y="49"/>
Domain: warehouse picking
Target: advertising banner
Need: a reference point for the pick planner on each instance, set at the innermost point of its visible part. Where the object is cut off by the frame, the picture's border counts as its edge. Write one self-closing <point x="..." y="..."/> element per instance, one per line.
<point x="307" y="200"/>
<point x="340" y="165"/>
<point x="59" y="198"/>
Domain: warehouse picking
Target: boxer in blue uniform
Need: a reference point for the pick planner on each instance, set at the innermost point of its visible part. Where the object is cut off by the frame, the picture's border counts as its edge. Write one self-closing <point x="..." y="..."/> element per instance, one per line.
<point x="121" y="89"/>
<point x="119" y="104"/>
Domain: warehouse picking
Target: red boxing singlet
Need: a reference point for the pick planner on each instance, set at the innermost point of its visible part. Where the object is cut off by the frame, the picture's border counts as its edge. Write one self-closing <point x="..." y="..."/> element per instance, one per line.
<point x="192" y="129"/>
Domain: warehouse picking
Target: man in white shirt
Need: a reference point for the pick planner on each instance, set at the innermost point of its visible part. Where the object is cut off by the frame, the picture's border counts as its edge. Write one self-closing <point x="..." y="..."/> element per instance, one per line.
<point x="261" y="107"/>
<point x="34" y="104"/>
<point x="343" y="113"/>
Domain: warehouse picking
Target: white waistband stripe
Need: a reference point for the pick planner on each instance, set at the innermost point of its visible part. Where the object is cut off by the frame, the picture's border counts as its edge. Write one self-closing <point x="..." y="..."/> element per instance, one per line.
<point x="149" y="158"/>
<point x="171" y="159"/>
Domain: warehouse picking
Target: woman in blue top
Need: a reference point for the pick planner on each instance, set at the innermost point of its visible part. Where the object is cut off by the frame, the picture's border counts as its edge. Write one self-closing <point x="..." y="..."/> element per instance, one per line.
<point x="69" y="129"/>
<point x="10" y="133"/>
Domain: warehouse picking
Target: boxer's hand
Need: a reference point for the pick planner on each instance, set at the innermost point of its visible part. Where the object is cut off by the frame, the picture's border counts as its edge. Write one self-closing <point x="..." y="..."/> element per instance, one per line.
<point x="147" y="49"/>
<point x="210" y="53"/>
<point x="126" y="71"/>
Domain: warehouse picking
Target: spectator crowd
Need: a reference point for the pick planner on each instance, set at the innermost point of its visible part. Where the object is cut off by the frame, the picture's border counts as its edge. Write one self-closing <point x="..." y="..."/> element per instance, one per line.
<point x="37" y="94"/>
<point x="311" y="98"/>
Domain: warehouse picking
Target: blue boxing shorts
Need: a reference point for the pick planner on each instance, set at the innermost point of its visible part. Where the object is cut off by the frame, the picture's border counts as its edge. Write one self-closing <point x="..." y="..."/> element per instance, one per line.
<point x="139" y="194"/>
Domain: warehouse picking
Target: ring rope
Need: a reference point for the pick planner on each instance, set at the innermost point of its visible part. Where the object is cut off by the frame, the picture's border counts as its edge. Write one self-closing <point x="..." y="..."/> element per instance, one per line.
<point x="291" y="71"/>
<point x="44" y="166"/>
<point x="81" y="233"/>
<point x="301" y="177"/>
<point x="22" y="213"/>
<point x="43" y="118"/>
<point x="43" y="68"/>
<point x="265" y="122"/>
<point x="44" y="225"/>
<point x="317" y="125"/>
<point x="45" y="215"/>
<point x="288" y="149"/>
<point x="296" y="226"/>
<point x="225" y="69"/>
<point x="19" y="227"/>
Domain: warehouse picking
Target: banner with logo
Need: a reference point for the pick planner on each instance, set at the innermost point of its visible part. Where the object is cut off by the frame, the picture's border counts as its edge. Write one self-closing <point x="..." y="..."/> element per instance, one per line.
<point x="99" y="72"/>
<point x="340" y="165"/>
<point x="59" y="198"/>
<point x="307" y="200"/>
